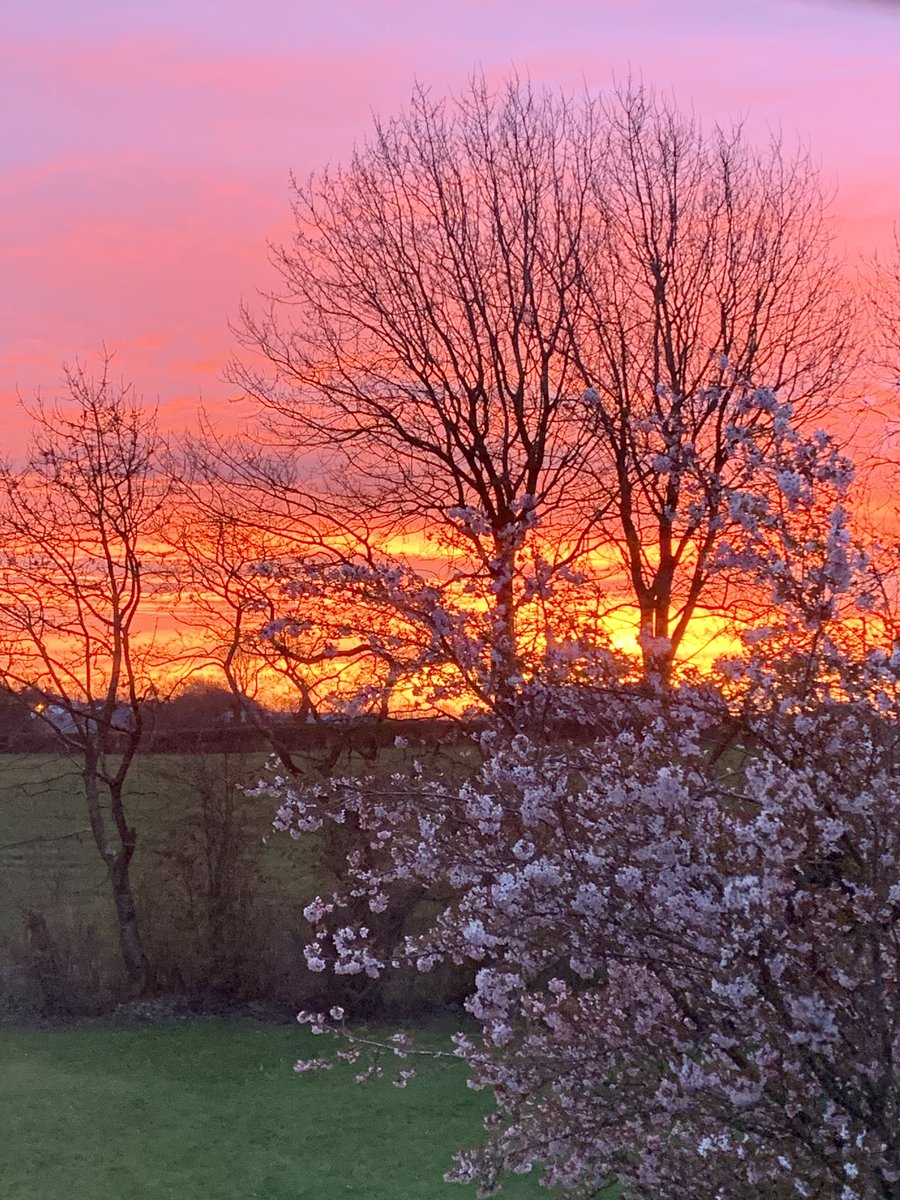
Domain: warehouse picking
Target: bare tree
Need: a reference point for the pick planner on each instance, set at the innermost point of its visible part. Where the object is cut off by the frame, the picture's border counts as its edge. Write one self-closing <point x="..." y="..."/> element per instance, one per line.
<point x="482" y="265"/>
<point x="76" y="519"/>
<point x="317" y="621"/>
<point x="884" y="293"/>
<point x="423" y="362"/>
<point x="233" y="595"/>
<point x="711" y="274"/>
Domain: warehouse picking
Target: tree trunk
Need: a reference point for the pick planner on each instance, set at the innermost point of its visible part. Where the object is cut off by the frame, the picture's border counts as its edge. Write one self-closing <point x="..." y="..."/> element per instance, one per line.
<point x="118" y="863"/>
<point x="133" y="956"/>
<point x="657" y="650"/>
<point x="506" y="665"/>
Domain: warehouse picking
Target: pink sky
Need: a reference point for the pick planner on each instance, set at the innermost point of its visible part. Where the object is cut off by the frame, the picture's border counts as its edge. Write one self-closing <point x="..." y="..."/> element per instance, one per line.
<point x="146" y="147"/>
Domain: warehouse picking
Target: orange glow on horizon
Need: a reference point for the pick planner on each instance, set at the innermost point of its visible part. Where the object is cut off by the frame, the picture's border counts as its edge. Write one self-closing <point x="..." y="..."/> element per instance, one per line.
<point x="148" y="171"/>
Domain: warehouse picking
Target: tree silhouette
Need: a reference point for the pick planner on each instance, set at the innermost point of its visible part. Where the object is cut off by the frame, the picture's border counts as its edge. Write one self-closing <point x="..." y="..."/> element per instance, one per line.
<point x="75" y="522"/>
<point x="525" y="327"/>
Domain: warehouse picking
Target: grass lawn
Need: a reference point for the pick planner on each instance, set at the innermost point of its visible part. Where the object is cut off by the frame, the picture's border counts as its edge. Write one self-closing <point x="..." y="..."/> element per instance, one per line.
<point x="214" y="1111"/>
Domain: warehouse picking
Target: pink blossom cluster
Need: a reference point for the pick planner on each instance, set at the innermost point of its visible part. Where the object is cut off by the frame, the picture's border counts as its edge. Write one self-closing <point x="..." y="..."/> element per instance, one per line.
<point x="686" y="963"/>
<point x="680" y="905"/>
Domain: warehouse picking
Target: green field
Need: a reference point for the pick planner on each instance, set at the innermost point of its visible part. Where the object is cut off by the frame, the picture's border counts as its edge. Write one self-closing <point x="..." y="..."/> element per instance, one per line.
<point x="214" y="1111"/>
<point x="206" y="854"/>
<point x="219" y="894"/>
<point x="48" y="859"/>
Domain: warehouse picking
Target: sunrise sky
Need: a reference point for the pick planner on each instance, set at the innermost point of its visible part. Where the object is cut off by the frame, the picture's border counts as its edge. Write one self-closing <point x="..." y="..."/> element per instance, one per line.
<point x="146" y="146"/>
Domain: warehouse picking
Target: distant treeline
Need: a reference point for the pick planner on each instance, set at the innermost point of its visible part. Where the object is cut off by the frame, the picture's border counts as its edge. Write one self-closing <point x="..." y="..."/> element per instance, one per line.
<point x="205" y="719"/>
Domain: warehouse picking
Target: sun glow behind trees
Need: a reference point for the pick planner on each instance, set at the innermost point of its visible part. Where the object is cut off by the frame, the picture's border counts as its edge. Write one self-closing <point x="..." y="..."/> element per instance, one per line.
<point x="521" y="346"/>
<point x="533" y="329"/>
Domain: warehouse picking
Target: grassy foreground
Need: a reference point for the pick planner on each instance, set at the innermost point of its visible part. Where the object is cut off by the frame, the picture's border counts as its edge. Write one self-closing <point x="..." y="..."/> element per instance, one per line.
<point x="214" y="1111"/>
